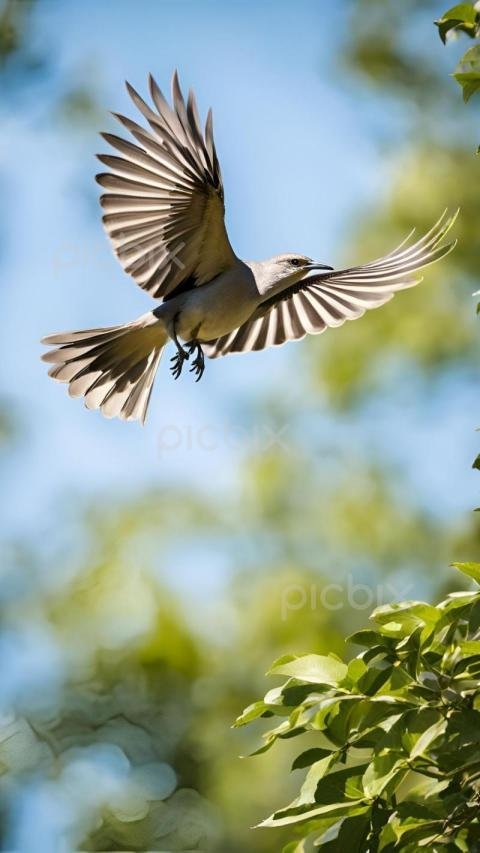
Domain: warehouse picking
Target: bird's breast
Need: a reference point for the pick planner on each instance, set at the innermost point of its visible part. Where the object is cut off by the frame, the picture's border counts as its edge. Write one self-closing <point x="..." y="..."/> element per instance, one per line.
<point x="215" y="309"/>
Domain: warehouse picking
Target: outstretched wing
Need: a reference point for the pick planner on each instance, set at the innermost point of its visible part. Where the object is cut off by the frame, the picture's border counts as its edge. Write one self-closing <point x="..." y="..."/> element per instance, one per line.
<point x="329" y="299"/>
<point x="164" y="210"/>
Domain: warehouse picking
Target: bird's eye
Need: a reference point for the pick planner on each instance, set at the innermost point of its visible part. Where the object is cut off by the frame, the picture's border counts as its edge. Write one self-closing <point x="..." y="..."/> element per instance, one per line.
<point x="295" y="262"/>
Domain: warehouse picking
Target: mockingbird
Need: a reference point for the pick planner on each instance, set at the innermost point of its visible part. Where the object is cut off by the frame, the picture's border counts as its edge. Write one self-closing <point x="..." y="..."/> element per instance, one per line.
<point x="164" y="213"/>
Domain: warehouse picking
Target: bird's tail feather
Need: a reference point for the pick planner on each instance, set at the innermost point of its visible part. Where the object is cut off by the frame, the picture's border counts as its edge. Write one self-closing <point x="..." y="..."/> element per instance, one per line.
<point x="112" y="368"/>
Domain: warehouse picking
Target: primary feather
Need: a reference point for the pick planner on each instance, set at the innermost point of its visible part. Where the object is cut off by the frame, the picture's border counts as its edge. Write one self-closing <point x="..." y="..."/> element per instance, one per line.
<point x="163" y="209"/>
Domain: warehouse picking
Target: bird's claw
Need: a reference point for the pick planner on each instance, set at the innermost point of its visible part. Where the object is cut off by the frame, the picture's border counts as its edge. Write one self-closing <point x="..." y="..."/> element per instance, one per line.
<point x="177" y="362"/>
<point x="183" y="355"/>
<point x="198" y="364"/>
<point x="198" y="367"/>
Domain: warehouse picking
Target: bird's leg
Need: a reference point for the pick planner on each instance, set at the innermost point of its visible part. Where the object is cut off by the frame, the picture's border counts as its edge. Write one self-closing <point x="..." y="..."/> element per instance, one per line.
<point x="198" y="363"/>
<point x="181" y="356"/>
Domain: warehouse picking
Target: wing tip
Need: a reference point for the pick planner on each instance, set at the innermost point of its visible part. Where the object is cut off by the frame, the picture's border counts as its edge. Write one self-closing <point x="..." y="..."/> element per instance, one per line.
<point x="449" y="247"/>
<point x="51" y="340"/>
<point x="119" y="117"/>
<point x="108" y="137"/>
<point x="177" y="94"/>
<point x="154" y="89"/>
<point x="454" y="218"/>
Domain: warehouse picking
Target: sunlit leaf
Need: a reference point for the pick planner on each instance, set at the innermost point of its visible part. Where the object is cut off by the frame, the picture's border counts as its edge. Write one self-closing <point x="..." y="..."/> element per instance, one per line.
<point x="472" y="570"/>
<point x="309" y="757"/>
<point x="467" y="72"/>
<point x="316" y="669"/>
<point x="461" y="18"/>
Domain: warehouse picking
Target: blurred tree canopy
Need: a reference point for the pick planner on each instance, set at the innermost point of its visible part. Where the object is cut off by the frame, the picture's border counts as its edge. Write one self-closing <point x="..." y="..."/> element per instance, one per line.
<point x="27" y="64"/>
<point x="429" y="167"/>
<point x="128" y="695"/>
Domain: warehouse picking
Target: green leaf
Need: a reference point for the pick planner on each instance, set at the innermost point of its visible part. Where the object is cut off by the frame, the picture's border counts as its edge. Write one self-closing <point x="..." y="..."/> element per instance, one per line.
<point x="401" y="620"/>
<point x="282" y="659"/>
<point x="329" y="708"/>
<point x="284" y="730"/>
<point x="383" y="770"/>
<point x="294" y="693"/>
<point x="461" y="17"/>
<point x="469" y="81"/>
<point x="316" y="773"/>
<point x="398" y="831"/>
<point x="269" y="741"/>
<point x="316" y="669"/>
<point x="351" y="835"/>
<point x="375" y="713"/>
<point x="338" y="793"/>
<point x="295" y="847"/>
<point x="322" y="828"/>
<point x="343" y="809"/>
<point x="471" y="59"/>
<point x="428" y="737"/>
<point x="467" y="72"/>
<point x="470" y="648"/>
<point x="389" y="763"/>
<point x="457" y="605"/>
<point x="366" y="638"/>
<point x="309" y="757"/>
<point x="476" y="463"/>
<point x="252" y="712"/>
<point x="357" y="668"/>
<point x="466" y="723"/>
<point x="377" y="681"/>
<point x="472" y="570"/>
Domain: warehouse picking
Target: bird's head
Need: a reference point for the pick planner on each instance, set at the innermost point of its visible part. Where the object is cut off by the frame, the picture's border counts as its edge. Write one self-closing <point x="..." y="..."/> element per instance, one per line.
<point x="284" y="270"/>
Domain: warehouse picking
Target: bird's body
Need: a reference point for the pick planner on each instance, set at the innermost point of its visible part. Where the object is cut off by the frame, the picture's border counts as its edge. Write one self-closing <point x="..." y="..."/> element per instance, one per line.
<point x="164" y="213"/>
<point x="215" y="309"/>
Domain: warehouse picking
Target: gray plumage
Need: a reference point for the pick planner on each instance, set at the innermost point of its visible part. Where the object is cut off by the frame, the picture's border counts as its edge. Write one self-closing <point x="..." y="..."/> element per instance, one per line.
<point x="164" y="214"/>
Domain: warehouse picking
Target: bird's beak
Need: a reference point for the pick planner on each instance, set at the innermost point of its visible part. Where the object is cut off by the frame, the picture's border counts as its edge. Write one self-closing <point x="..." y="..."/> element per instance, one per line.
<point x="315" y="266"/>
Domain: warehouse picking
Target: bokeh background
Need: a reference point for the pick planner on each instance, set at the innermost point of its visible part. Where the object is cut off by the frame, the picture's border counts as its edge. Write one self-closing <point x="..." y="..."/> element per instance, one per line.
<point x="149" y="576"/>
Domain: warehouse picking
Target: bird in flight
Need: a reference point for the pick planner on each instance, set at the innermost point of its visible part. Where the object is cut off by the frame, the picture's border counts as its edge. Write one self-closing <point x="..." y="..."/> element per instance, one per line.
<point x="164" y="214"/>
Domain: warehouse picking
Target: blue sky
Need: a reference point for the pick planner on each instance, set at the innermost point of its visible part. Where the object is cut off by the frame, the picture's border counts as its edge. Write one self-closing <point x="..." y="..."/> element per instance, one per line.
<point x="300" y="163"/>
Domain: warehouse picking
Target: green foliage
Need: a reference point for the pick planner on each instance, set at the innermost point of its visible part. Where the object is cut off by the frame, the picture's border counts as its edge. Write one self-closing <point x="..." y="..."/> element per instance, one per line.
<point x="427" y="158"/>
<point x="464" y="18"/>
<point x="14" y="17"/>
<point x="397" y="760"/>
<point x="467" y="72"/>
<point x="460" y="18"/>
